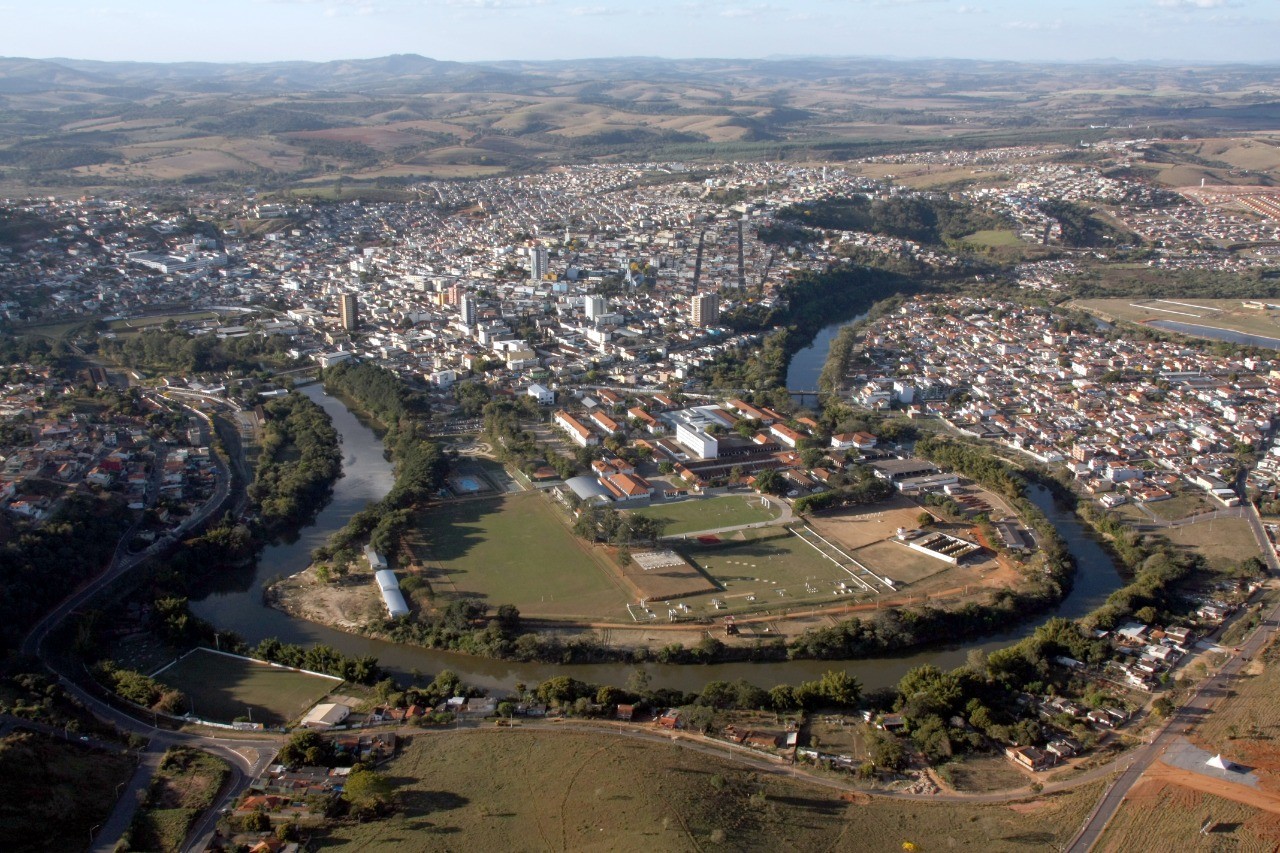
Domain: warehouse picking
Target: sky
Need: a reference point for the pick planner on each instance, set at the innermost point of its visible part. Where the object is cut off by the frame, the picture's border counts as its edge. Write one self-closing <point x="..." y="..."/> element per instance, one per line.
<point x="477" y="30"/>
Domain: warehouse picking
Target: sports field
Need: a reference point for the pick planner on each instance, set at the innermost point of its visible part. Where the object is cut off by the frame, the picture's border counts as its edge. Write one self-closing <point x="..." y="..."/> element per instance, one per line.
<point x="222" y="688"/>
<point x="515" y="550"/>
<point x="769" y="572"/>
<point x="697" y="514"/>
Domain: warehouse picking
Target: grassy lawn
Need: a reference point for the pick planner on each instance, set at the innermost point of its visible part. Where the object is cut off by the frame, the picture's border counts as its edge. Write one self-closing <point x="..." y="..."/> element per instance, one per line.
<point x="696" y="514"/>
<point x="516" y="550"/>
<point x="981" y="773"/>
<point x="998" y="238"/>
<point x="1224" y="542"/>
<point x="517" y="790"/>
<point x="222" y="688"/>
<point x="53" y="331"/>
<point x="59" y="791"/>
<point x="138" y="323"/>
<point x="185" y="785"/>
<point x="1181" y="505"/>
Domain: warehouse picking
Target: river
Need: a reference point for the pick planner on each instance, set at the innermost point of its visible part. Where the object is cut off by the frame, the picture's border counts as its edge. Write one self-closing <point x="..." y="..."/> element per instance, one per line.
<point x="237" y="602"/>
<point x="806" y="364"/>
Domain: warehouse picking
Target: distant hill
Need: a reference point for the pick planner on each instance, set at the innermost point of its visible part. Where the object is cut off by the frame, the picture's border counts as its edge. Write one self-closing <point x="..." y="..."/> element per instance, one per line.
<point x="89" y="124"/>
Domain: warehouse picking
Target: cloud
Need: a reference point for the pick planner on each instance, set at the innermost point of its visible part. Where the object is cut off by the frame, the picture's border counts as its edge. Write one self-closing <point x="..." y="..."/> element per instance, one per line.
<point x="737" y="11"/>
<point x="1193" y="4"/>
<point x="595" y="11"/>
<point x="494" y="4"/>
<point x="1034" y="26"/>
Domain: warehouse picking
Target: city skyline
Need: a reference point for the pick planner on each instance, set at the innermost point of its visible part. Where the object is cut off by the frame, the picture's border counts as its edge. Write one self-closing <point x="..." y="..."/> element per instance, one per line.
<point x="495" y="30"/>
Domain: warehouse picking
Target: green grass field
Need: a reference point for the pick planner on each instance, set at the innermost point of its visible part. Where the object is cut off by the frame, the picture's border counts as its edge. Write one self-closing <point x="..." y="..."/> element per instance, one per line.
<point x="138" y="323"/>
<point x="997" y="239"/>
<point x="222" y="688"/>
<point x="519" y="790"/>
<point x="695" y="514"/>
<point x="516" y="550"/>
<point x="1182" y="504"/>
<point x="763" y="567"/>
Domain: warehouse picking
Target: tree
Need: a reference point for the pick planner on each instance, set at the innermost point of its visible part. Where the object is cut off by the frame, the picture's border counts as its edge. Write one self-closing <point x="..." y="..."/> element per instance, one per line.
<point x="368" y="791"/>
<point x="924" y="519"/>
<point x="771" y="483"/>
<point x="885" y="749"/>
<point x="840" y="688"/>
<point x="307" y="748"/>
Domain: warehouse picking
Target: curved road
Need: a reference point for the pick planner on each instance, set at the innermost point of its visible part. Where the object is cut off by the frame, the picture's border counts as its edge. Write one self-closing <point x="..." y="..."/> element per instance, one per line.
<point x="246" y="757"/>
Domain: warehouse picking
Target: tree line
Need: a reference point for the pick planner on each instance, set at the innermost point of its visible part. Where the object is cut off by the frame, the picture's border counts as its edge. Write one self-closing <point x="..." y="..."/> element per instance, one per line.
<point x="172" y="349"/>
<point x="930" y="220"/>
<point x="298" y="461"/>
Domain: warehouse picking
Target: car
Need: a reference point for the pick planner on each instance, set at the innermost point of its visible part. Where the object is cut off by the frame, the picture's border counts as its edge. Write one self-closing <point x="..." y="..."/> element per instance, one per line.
<point x="84" y="738"/>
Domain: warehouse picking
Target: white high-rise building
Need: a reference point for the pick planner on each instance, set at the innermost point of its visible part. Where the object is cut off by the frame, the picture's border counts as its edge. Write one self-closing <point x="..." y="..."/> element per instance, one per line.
<point x="467" y="310"/>
<point x="537" y="263"/>
<point x="595" y="306"/>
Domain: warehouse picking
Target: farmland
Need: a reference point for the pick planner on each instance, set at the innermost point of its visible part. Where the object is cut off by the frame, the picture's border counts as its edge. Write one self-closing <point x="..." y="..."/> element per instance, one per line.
<point x="222" y="688"/>
<point x="390" y="119"/>
<point x="694" y="515"/>
<point x="563" y="791"/>
<point x="516" y="550"/>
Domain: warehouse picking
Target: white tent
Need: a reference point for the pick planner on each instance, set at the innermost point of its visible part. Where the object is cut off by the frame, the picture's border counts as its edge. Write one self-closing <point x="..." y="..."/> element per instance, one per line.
<point x="1219" y="762"/>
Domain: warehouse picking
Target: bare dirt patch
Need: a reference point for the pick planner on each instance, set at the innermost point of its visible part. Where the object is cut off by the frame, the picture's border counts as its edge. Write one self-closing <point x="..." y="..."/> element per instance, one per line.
<point x="347" y="603"/>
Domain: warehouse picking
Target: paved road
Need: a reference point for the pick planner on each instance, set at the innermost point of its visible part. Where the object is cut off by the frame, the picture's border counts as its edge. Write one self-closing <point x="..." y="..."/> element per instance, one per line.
<point x="1260" y="534"/>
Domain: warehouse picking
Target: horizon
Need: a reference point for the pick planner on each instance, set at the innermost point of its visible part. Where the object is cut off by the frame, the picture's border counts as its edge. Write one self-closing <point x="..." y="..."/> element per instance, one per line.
<point x="816" y="57"/>
<point x="260" y="31"/>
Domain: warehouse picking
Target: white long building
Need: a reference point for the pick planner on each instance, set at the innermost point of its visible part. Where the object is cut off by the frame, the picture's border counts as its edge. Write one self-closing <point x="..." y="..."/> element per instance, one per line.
<point x="391" y="594"/>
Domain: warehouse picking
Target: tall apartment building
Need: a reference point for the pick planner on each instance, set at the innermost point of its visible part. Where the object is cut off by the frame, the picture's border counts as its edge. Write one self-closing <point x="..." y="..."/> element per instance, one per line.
<point x="467" y="310"/>
<point x="706" y="309"/>
<point x="537" y="263"/>
<point x="595" y="306"/>
<point x="350" y="308"/>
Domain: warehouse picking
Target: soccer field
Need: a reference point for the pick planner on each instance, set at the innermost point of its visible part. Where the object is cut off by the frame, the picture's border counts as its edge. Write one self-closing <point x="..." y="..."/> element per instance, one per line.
<point x="515" y="550"/>
<point x="697" y="514"/>
<point x="221" y="688"/>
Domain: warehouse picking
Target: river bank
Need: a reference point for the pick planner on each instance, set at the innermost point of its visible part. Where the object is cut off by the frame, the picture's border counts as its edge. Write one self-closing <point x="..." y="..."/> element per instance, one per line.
<point x="237" y="603"/>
